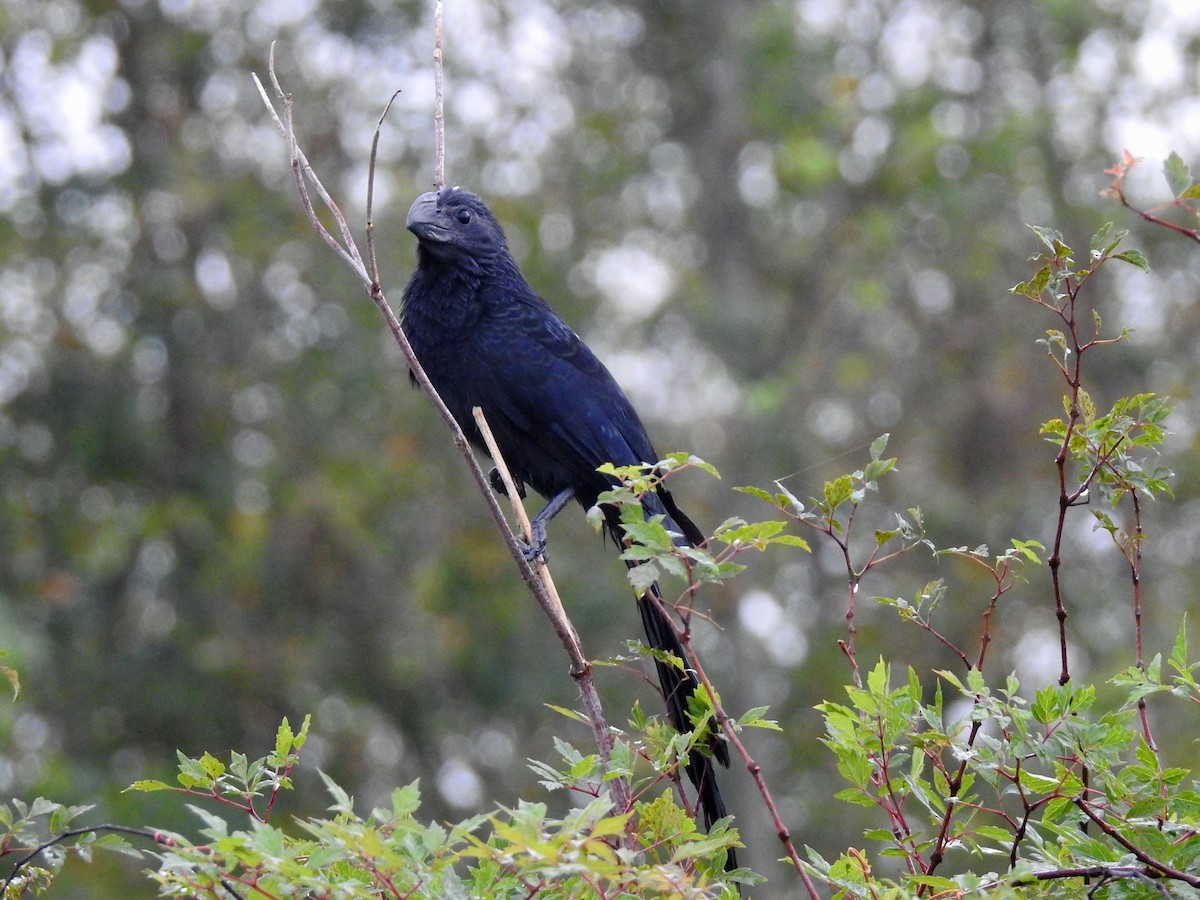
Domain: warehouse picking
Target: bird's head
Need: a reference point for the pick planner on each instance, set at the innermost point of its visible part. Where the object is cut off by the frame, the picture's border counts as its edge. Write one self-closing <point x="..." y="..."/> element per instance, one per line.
<point x="454" y="226"/>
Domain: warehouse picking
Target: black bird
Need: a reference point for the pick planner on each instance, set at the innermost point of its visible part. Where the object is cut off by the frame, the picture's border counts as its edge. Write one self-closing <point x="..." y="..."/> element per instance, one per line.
<point x="486" y="339"/>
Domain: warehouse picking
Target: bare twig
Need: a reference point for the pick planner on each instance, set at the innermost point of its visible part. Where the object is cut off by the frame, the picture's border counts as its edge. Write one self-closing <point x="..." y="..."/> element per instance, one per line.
<point x="303" y="172"/>
<point x="1117" y="191"/>
<point x="1107" y="874"/>
<point x="1149" y="861"/>
<point x="1131" y="549"/>
<point x="371" y="258"/>
<point x="1066" y="498"/>
<point x="158" y="837"/>
<point x="439" y="109"/>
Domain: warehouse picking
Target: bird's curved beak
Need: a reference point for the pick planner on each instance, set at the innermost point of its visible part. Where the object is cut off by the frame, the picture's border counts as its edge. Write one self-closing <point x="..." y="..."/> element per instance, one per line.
<point x="424" y="218"/>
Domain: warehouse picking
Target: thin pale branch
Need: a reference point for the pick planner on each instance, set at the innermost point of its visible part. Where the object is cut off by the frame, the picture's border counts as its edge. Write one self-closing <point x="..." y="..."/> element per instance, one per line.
<point x="303" y="172"/>
<point x="373" y="271"/>
<point x="557" y="613"/>
<point x="439" y="109"/>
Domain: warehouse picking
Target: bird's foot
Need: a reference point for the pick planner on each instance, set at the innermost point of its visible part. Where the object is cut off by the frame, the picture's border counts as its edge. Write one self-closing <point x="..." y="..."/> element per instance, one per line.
<point x="533" y="551"/>
<point x="536" y="546"/>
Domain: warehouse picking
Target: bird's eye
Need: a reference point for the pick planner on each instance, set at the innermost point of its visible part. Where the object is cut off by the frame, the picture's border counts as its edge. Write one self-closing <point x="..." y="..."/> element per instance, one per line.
<point x="463" y="216"/>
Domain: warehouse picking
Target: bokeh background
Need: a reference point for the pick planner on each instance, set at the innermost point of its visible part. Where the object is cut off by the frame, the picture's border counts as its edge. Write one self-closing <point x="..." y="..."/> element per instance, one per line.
<point x="788" y="227"/>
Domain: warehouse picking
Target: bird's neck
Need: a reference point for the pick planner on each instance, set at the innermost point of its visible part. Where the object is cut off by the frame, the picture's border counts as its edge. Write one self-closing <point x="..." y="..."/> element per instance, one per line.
<point x="458" y="278"/>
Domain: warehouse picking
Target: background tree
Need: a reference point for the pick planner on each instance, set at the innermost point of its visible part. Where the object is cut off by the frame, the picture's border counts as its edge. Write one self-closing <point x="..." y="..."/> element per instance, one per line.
<point x="787" y="227"/>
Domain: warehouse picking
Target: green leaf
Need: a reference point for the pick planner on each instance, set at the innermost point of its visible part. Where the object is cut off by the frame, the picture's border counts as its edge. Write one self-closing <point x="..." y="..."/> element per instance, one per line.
<point x="1087" y="407"/>
<point x="838" y="491"/>
<point x="753" y="718"/>
<point x="766" y="496"/>
<point x="147" y="786"/>
<point x="1001" y="836"/>
<point x="342" y="802"/>
<point x="949" y="676"/>
<point x="192" y="773"/>
<point x="1179" y="652"/>
<point x="1134" y="257"/>
<point x="1177" y="173"/>
<point x="1039" y="282"/>
<point x="1047" y="236"/>
<point x="642" y="577"/>
<point x="1038" y="783"/>
<point x="568" y="713"/>
<point x="1101" y="237"/>
<point x="791" y="540"/>
<point x="1029" y="549"/>
<point x="878" y="678"/>
<point x="855" y="797"/>
<point x="877" y="468"/>
<point x="212" y="766"/>
<point x="13" y="679"/>
<point x="936" y="882"/>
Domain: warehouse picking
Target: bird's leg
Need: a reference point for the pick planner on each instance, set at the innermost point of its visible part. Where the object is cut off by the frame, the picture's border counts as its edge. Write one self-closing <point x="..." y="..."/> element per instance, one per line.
<point x="497" y="484"/>
<point x="537" y="528"/>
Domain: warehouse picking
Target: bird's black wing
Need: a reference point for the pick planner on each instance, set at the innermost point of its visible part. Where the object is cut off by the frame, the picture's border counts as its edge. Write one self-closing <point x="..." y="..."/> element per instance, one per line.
<point x="556" y="410"/>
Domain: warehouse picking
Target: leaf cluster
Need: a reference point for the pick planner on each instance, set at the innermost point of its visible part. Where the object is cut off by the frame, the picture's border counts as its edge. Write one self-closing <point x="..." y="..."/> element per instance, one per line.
<point x="1051" y="788"/>
<point x="652" y="850"/>
<point x="652" y="547"/>
<point x="522" y="851"/>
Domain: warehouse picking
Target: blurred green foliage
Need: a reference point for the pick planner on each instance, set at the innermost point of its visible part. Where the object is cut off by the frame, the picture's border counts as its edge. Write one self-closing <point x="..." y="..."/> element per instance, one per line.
<point x="787" y="226"/>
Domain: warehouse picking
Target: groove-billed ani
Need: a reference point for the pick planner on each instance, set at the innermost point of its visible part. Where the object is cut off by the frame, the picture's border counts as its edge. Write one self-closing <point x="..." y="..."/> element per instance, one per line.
<point x="486" y="339"/>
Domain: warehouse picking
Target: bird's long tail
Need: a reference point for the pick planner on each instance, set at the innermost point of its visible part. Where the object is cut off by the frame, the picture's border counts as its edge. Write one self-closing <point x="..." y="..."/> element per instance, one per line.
<point x="678" y="685"/>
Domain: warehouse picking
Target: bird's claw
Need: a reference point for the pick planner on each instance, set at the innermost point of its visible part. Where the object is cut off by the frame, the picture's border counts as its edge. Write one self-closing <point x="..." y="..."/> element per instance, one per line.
<point x="533" y="550"/>
<point x="535" y="547"/>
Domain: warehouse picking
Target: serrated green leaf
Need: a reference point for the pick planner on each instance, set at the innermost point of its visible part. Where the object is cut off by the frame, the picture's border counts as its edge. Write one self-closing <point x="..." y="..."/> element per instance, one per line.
<point x="568" y="713"/>
<point x="148" y="785"/>
<point x="757" y="492"/>
<point x="1179" y="651"/>
<point x="1177" y="173"/>
<point x="934" y="881"/>
<point x="1001" y="836"/>
<point x="1038" y="783"/>
<point x="877" y="468"/>
<point x="642" y="577"/>
<point x="1101" y="235"/>
<point x="1038" y="283"/>
<point x="855" y="797"/>
<point x="1134" y="257"/>
<point x="1047" y="236"/>
<point x="792" y="540"/>
<point x="838" y="491"/>
<point x="882" y="537"/>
